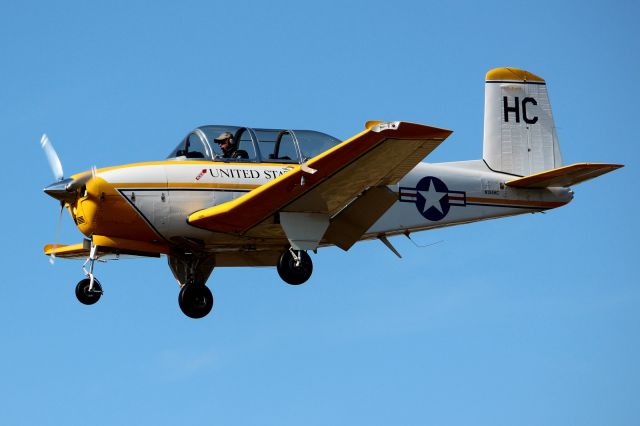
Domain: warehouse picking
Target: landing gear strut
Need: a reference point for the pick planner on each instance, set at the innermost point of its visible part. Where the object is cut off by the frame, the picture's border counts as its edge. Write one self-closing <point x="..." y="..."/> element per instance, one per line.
<point x="295" y="266"/>
<point x="89" y="290"/>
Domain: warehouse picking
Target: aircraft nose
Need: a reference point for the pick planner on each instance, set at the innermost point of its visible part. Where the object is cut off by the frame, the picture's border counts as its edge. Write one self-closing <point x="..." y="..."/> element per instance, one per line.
<point x="59" y="190"/>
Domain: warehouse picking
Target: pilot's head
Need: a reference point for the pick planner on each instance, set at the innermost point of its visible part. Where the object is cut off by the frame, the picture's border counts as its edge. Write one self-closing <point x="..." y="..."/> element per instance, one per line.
<point x="225" y="140"/>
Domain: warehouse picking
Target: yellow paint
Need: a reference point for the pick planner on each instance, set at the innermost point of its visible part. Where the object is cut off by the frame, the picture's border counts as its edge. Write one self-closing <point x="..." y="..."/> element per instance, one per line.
<point x="372" y="123"/>
<point x="102" y="210"/>
<point x="130" y="245"/>
<point x="62" y="249"/>
<point x="512" y="74"/>
<point x="86" y="208"/>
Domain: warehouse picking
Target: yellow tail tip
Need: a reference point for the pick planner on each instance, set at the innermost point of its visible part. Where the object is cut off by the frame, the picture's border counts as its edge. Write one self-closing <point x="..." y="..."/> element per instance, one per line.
<point x="512" y="74"/>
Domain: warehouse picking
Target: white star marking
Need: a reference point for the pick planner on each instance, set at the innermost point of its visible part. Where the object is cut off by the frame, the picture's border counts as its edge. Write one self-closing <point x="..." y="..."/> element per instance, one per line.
<point x="432" y="198"/>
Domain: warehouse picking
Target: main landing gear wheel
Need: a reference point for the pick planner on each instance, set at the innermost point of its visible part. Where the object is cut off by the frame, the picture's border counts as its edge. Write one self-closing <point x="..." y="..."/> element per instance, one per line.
<point x="195" y="300"/>
<point x="87" y="296"/>
<point x="295" y="267"/>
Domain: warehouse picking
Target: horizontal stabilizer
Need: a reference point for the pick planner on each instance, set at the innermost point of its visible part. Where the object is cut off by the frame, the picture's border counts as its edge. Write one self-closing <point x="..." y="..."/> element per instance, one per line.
<point x="564" y="176"/>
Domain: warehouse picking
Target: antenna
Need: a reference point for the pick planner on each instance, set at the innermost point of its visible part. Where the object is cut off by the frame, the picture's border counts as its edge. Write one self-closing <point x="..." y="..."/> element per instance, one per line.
<point x="408" y="235"/>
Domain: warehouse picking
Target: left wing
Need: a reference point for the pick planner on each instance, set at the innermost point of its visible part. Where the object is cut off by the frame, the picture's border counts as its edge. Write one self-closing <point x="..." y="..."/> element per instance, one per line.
<point x="75" y="251"/>
<point x="379" y="156"/>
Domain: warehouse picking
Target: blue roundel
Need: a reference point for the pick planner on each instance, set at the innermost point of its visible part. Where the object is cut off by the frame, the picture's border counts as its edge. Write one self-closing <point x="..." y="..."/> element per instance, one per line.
<point x="432" y="198"/>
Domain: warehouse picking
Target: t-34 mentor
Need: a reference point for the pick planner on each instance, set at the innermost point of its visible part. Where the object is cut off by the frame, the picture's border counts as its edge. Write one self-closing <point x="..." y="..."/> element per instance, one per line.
<point x="238" y="196"/>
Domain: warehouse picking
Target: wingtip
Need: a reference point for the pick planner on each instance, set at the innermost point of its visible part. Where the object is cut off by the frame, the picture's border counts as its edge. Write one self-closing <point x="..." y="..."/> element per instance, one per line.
<point x="50" y="249"/>
<point x="417" y="129"/>
<point x="372" y="123"/>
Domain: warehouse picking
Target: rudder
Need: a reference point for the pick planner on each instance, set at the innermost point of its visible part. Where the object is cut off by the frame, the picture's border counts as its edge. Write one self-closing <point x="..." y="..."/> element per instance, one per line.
<point x="519" y="131"/>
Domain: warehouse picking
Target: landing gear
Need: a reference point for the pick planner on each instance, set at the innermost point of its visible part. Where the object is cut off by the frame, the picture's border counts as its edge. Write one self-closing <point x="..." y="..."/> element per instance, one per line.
<point x="195" y="300"/>
<point x="89" y="290"/>
<point x="295" y="266"/>
<point x="87" y="295"/>
<point x="192" y="271"/>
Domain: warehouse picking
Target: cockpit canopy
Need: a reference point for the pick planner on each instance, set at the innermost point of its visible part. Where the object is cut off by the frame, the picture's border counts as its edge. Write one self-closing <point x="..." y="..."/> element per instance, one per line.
<point x="253" y="145"/>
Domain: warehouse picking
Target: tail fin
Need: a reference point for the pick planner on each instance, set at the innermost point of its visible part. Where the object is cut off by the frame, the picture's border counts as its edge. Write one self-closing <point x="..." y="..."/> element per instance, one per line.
<point x="519" y="132"/>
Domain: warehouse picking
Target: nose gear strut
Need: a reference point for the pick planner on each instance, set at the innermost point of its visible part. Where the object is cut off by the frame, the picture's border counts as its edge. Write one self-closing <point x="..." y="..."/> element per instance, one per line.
<point x="89" y="290"/>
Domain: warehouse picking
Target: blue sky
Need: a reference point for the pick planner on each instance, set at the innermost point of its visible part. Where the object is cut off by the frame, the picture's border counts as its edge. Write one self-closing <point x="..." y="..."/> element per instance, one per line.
<point x="529" y="320"/>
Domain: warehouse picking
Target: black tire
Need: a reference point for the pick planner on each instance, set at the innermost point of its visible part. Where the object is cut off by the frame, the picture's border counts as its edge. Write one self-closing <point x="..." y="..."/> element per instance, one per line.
<point x="292" y="274"/>
<point x="195" y="301"/>
<point x="85" y="296"/>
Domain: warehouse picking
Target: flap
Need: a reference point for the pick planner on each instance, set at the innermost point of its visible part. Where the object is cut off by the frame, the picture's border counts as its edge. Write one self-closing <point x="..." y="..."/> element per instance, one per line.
<point x="564" y="176"/>
<point x="380" y="155"/>
<point x="348" y="226"/>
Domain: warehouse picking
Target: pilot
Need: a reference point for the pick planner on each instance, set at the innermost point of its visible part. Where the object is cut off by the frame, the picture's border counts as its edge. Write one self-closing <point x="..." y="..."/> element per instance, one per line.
<point x="227" y="144"/>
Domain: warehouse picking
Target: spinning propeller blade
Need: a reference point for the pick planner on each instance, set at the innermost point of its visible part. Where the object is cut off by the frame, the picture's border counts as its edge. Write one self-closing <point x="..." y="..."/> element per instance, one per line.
<point x="52" y="158"/>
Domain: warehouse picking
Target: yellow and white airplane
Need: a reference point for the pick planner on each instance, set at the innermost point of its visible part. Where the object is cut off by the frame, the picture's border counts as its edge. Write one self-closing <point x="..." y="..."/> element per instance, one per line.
<point x="286" y="192"/>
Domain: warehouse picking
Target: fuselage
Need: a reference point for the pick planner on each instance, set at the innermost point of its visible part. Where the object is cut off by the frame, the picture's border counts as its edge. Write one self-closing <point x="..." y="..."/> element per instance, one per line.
<point x="150" y="202"/>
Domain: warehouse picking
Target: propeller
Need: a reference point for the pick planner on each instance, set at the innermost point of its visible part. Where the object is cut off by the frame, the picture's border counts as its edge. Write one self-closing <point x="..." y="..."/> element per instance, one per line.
<point x="58" y="175"/>
<point x="63" y="190"/>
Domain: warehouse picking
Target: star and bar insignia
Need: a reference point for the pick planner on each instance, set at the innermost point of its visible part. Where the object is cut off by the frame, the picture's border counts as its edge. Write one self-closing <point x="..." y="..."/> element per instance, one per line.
<point x="432" y="198"/>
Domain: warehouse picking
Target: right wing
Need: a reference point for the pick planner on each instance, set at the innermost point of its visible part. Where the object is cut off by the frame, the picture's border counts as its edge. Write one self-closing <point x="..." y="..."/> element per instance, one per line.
<point x="379" y="156"/>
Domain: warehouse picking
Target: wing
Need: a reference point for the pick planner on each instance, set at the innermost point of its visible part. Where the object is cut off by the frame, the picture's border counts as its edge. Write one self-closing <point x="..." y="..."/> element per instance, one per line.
<point x="75" y="251"/>
<point x="379" y="156"/>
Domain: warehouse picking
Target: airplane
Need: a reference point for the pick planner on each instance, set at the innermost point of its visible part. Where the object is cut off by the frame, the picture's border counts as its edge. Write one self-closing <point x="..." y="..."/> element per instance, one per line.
<point x="284" y="193"/>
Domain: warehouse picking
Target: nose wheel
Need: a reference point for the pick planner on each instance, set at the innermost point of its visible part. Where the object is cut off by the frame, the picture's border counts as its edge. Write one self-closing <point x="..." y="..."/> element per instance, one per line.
<point x="295" y="267"/>
<point x="87" y="295"/>
<point x="89" y="290"/>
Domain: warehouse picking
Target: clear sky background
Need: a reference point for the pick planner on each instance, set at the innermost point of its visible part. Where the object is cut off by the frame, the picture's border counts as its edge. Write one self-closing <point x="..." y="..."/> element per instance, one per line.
<point x="529" y="320"/>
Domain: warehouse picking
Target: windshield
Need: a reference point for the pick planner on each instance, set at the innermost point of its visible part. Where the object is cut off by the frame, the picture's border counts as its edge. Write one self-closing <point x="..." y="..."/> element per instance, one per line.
<point x="313" y="143"/>
<point x="246" y="144"/>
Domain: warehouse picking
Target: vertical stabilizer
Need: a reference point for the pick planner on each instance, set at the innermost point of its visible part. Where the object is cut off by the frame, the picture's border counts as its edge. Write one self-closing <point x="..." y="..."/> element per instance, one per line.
<point x="519" y="132"/>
